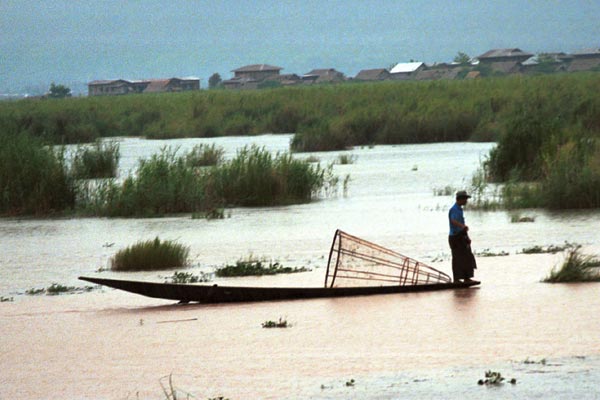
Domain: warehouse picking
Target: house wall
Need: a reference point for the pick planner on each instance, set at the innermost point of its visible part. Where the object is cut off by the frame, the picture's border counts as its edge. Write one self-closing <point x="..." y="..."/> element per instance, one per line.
<point x="258" y="75"/>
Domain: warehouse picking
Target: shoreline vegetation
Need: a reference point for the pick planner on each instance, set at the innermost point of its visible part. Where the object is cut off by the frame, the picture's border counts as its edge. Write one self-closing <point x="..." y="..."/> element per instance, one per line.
<point x="547" y="129"/>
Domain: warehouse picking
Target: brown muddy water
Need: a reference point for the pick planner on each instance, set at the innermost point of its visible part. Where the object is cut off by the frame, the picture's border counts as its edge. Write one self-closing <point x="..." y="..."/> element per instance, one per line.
<point x="107" y="344"/>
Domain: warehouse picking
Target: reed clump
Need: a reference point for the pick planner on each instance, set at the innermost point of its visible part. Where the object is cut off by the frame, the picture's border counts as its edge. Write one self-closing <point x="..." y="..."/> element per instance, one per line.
<point x="167" y="184"/>
<point x="577" y="267"/>
<point x="99" y="160"/>
<point x="151" y="255"/>
<point x="255" y="177"/>
<point x="34" y="179"/>
<point x="204" y="155"/>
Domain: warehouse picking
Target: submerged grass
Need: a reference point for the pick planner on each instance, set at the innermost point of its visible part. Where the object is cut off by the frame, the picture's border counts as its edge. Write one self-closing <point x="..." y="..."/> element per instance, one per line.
<point x="151" y="255"/>
<point x="577" y="267"/>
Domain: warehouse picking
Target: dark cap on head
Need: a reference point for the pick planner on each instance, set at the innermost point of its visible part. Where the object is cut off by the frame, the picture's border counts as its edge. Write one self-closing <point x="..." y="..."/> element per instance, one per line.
<point x="462" y="194"/>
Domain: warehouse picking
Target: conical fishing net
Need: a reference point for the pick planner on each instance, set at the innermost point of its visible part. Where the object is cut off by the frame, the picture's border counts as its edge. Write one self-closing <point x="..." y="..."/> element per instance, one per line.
<point x="357" y="262"/>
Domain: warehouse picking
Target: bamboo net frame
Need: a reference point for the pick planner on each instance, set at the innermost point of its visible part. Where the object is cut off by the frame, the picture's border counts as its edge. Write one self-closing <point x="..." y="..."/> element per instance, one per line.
<point x="356" y="262"/>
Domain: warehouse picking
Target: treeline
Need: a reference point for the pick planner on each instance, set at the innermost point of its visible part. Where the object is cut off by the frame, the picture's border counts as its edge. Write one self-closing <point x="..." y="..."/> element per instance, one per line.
<point x="547" y="127"/>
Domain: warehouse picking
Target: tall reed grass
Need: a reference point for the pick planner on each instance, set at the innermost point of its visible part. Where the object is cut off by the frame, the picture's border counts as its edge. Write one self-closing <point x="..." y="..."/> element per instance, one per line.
<point x="100" y="160"/>
<point x="151" y="255"/>
<point x="166" y="184"/>
<point x="33" y="177"/>
<point x="547" y="126"/>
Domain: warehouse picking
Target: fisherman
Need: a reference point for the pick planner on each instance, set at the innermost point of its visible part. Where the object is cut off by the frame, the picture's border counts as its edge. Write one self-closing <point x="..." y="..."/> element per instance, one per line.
<point x="463" y="261"/>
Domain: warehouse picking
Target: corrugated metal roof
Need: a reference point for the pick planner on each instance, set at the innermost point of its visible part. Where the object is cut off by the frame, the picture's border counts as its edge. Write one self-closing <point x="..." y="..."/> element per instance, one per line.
<point x="406" y="67"/>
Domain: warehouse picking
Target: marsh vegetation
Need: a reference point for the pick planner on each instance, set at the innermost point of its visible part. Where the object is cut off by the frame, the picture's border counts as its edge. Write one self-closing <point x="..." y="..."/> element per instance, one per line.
<point x="546" y="127"/>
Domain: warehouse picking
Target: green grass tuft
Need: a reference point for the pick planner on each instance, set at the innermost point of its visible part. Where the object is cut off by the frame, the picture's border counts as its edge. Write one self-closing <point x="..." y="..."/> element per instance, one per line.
<point x="576" y="268"/>
<point x="151" y="255"/>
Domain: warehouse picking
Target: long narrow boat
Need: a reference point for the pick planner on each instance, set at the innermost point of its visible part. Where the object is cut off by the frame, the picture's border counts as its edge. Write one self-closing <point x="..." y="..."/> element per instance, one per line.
<point x="186" y="293"/>
<point x="355" y="267"/>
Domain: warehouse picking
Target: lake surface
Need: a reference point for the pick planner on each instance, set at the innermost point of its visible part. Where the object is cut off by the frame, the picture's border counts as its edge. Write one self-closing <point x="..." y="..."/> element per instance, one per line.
<point x="110" y="344"/>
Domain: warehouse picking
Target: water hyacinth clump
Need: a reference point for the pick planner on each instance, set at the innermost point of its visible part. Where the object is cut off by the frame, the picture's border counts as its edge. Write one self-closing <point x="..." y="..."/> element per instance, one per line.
<point x="577" y="267"/>
<point x="151" y="255"/>
<point x="254" y="266"/>
<point x="181" y="277"/>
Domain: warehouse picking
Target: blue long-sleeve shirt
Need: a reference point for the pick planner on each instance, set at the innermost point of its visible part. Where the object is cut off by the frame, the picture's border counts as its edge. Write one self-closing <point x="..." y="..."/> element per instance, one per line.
<point x="455" y="213"/>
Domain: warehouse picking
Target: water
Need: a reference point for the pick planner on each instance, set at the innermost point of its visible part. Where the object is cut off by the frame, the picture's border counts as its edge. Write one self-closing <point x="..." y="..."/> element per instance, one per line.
<point x="75" y="43"/>
<point x="110" y="344"/>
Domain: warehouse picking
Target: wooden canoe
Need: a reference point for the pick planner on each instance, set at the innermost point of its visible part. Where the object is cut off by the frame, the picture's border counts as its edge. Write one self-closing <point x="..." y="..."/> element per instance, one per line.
<point x="206" y="294"/>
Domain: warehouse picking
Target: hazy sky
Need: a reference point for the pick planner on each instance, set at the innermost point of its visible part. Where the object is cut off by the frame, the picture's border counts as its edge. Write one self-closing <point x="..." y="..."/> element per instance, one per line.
<point x="79" y="41"/>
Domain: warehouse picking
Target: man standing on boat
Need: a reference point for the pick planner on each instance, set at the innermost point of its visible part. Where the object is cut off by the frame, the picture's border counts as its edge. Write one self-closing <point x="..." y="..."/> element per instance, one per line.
<point x="463" y="261"/>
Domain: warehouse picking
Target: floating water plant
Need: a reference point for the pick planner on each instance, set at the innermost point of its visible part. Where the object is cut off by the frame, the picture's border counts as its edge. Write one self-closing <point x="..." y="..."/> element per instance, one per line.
<point x="56" y="289"/>
<point x="280" y="323"/>
<point x="549" y="249"/>
<point x="151" y="255"/>
<point x="254" y="266"/>
<point x="577" y="267"/>
<point x="489" y="253"/>
<point x="187" y="277"/>
<point x="494" y="378"/>
<point x="518" y="218"/>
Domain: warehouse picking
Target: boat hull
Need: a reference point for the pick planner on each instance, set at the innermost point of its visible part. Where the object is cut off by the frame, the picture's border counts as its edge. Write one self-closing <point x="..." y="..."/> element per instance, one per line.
<point x="209" y="294"/>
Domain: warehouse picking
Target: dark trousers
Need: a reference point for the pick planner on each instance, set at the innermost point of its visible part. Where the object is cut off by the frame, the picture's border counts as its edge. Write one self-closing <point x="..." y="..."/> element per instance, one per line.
<point x="463" y="260"/>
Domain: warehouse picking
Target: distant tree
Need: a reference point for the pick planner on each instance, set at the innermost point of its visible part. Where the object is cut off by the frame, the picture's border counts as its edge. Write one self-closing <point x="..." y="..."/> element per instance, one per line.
<point x="214" y="81"/>
<point x="462" y="58"/>
<point x="59" y="91"/>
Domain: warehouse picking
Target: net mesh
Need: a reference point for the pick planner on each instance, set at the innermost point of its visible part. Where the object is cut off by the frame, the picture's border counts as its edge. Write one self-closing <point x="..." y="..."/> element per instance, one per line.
<point x="357" y="262"/>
